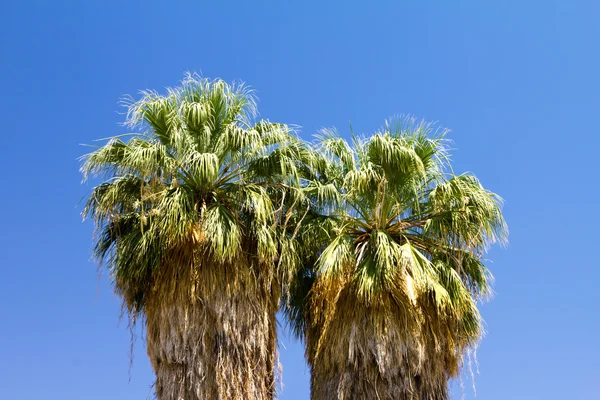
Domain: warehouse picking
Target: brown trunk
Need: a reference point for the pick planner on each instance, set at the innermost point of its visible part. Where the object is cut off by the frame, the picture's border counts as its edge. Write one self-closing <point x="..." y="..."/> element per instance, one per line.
<point x="373" y="352"/>
<point x="211" y="334"/>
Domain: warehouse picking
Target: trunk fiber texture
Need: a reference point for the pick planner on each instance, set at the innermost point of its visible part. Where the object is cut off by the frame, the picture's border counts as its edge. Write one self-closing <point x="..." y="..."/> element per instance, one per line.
<point x="379" y="352"/>
<point x="211" y="333"/>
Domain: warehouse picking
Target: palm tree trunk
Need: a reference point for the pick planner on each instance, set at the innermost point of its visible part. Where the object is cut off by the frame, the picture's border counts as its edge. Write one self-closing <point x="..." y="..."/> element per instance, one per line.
<point x="374" y="352"/>
<point x="212" y="335"/>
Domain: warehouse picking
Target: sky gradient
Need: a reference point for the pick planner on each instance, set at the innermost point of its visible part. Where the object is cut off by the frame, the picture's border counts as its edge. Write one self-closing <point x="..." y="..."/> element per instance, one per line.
<point x="516" y="82"/>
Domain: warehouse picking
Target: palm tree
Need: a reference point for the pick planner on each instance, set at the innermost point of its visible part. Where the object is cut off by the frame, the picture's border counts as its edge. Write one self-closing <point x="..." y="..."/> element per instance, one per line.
<point x="387" y="299"/>
<point x="188" y="221"/>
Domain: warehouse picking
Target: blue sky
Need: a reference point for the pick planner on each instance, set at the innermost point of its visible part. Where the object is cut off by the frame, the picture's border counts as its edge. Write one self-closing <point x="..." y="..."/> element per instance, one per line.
<point x="516" y="81"/>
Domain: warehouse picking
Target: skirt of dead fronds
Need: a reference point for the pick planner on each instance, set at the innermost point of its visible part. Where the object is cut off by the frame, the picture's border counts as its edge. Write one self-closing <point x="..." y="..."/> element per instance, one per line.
<point x="211" y="332"/>
<point x="385" y="350"/>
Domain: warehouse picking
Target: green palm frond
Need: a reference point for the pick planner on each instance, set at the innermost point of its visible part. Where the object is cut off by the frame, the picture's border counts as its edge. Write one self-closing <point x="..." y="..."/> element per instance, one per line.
<point x="200" y="179"/>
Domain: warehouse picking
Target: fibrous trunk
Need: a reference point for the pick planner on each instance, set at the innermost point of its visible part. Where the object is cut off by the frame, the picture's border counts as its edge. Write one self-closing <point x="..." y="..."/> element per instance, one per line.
<point x="377" y="352"/>
<point x="211" y="334"/>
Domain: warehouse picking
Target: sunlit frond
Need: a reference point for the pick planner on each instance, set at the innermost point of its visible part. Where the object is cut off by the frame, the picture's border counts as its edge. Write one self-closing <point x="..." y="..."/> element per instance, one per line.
<point x="200" y="178"/>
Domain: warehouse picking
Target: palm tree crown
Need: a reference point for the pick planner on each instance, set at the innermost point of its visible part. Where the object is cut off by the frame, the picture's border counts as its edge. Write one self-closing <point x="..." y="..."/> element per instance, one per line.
<point x="198" y="175"/>
<point x="387" y="298"/>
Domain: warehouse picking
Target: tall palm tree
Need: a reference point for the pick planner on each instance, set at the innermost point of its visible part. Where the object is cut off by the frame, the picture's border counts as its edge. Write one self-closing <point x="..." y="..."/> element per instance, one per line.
<point x="188" y="222"/>
<point x="387" y="298"/>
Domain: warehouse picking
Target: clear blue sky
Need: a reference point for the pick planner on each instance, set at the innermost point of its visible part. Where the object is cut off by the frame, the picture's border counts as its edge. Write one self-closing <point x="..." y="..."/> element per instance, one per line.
<point x="516" y="81"/>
